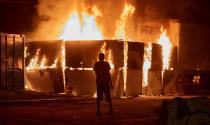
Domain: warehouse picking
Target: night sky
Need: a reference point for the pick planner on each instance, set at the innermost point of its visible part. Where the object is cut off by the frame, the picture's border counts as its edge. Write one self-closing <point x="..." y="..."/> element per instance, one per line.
<point x="20" y="16"/>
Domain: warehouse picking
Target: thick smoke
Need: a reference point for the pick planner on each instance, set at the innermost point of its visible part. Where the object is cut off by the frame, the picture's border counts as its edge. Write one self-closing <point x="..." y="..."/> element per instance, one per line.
<point x="53" y="15"/>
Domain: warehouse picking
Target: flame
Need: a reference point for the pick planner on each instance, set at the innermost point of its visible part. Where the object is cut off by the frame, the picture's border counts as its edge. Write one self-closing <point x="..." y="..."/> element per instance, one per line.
<point x="121" y="23"/>
<point x="196" y="79"/>
<point x="120" y="34"/>
<point x="109" y="58"/>
<point x="54" y="64"/>
<point x="25" y="52"/>
<point x="85" y="29"/>
<point x="125" y="53"/>
<point x="147" y="63"/>
<point x="63" y="62"/>
<point x="36" y="64"/>
<point x="103" y="48"/>
<point x="95" y="95"/>
<point x="165" y="42"/>
<point x="34" y="61"/>
<point x="108" y="55"/>
<point x="43" y="62"/>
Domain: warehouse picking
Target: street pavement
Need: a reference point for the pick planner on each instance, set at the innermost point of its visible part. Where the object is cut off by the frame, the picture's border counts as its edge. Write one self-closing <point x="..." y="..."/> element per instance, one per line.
<point x="142" y="110"/>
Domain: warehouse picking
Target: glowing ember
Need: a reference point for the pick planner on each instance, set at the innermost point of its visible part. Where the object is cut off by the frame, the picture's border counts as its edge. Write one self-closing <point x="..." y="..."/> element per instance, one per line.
<point x="95" y="95"/>
<point x="196" y="79"/>
<point x="83" y="28"/>
<point x="147" y="63"/>
<point x="165" y="42"/>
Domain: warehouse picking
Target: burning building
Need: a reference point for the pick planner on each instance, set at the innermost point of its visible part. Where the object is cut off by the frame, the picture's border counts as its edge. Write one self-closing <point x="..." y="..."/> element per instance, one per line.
<point x="61" y="51"/>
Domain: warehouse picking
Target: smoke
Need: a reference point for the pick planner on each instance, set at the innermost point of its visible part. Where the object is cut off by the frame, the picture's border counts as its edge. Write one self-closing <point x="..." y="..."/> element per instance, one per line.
<point x="53" y="15"/>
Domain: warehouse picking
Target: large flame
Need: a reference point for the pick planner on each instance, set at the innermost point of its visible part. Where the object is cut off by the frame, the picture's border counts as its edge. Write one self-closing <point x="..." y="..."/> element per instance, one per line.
<point x="121" y="23"/>
<point x="166" y="44"/>
<point x="121" y="34"/>
<point x="147" y="63"/>
<point x="85" y="29"/>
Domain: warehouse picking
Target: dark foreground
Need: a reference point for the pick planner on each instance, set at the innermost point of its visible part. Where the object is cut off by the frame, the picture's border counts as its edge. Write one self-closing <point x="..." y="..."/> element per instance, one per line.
<point x="133" y="111"/>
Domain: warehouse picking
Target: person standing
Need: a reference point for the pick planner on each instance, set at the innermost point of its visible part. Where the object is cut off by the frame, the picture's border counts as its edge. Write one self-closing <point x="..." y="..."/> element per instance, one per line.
<point x="103" y="82"/>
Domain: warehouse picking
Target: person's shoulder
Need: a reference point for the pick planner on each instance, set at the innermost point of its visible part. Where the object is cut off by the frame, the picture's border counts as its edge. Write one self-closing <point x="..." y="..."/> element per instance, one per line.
<point x="106" y="62"/>
<point x="97" y="62"/>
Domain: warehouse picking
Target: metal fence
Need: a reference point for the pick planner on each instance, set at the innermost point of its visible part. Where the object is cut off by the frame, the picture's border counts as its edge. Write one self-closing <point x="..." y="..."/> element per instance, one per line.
<point x="12" y="61"/>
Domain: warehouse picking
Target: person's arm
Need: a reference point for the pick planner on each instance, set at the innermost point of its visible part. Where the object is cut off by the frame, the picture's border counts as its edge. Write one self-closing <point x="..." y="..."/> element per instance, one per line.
<point x="110" y="81"/>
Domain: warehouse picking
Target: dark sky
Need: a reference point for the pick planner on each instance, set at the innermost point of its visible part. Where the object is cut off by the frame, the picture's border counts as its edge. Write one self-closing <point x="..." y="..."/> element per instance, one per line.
<point x="17" y="15"/>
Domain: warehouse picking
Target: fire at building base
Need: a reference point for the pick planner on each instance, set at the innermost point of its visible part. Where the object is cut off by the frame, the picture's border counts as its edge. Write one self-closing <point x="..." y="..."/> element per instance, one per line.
<point x="80" y="57"/>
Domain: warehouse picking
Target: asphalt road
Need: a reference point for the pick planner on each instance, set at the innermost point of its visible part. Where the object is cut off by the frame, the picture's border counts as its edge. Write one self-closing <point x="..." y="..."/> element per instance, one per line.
<point x="130" y="111"/>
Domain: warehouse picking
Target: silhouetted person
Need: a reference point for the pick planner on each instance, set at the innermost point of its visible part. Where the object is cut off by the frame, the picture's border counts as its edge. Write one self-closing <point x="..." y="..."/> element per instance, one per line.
<point x="103" y="82"/>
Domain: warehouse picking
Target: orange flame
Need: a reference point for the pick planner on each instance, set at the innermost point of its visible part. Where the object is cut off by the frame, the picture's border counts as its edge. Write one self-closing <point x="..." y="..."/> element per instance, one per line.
<point x="43" y="62"/>
<point x="34" y="61"/>
<point x="103" y="48"/>
<point x="108" y="53"/>
<point x="109" y="58"/>
<point x="121" y="23"/>
<point x="54" y="64"/>
<point x="63" y="62"/>
<point x="165" y="42"/>
<point x="147" y="63"/>
<point x="36" y="64"/>
<point x="121" y="34"/>
<point x="75" y="29"/>
<point x="125" y="53"/>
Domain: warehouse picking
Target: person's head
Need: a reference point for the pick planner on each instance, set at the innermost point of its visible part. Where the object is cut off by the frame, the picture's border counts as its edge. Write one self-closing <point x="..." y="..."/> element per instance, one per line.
<point x="101" y="56"/>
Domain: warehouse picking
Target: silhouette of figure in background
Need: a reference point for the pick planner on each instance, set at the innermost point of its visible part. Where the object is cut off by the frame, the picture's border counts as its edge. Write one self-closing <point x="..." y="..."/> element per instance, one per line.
<point x="103" y="82"/>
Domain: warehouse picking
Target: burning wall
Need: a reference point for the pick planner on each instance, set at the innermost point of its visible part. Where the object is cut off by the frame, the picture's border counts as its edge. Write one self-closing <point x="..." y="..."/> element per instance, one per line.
<point x="80" y="58"/>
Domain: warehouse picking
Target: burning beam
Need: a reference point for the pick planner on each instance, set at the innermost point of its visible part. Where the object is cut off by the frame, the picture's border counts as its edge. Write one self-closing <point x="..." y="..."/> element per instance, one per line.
<point x="147" y="63"/>
<point x="125" y="53"/>
<point x="121" y="34"/>
<point x="63" y="63"/>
